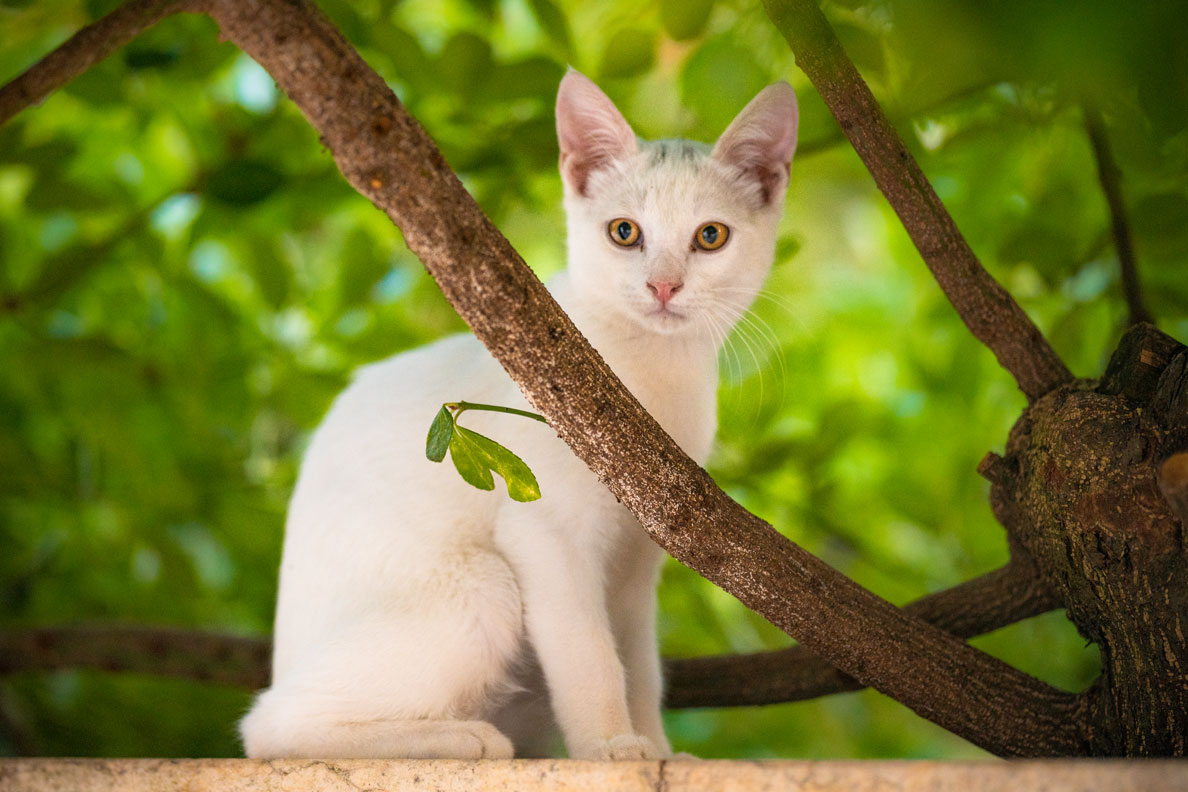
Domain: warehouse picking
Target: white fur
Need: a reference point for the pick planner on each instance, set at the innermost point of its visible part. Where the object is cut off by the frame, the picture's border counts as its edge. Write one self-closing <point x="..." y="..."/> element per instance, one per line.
<point x="420" y="617"/>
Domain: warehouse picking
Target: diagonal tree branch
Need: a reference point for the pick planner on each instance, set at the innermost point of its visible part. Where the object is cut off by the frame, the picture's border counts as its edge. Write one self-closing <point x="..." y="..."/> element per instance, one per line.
<point x="82" y="51"/>
<point x="989" y="312"/>
<point x="389" y="158"/>
<point x="986" y="603"/>
<point x="1111" y="184"/>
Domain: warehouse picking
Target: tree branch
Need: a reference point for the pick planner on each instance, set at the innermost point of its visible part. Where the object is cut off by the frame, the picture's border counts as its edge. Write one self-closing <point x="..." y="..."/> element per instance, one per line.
<point x="82" y="51"/>
<point x="989" y="312"/>
<point x="238" y="661"/>
<point x="986" y="603"/>
<point x="1111" y="185"/>
<point x="388" y="157"/>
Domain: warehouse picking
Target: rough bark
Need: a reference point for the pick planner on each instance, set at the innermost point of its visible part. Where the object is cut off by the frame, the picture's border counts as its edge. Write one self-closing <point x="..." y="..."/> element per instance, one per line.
<point x="989" y="312"/>
<point x="1081" y="494"/>
<point x="389" y="158"/>
<point x="996" y="599"/>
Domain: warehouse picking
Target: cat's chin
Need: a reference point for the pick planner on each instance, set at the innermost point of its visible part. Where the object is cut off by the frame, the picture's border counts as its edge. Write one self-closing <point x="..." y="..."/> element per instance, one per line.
<point x="665" y="321"/>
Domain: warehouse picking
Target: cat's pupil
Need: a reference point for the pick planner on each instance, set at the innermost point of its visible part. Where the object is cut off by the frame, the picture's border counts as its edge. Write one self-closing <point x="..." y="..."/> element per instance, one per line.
<point x="709" y="234"/>
<point x="624" y="230"/>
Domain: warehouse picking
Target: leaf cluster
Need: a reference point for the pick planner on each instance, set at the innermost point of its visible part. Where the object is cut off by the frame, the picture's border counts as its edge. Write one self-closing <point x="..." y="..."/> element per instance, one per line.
<point x="476" y="456"/>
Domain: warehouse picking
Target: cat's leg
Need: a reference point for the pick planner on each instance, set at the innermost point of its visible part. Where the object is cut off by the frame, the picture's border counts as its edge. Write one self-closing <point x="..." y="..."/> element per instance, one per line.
<point x="412" y="673"/>
<point x="632" y="600"/>
<point x="561" y="573"/>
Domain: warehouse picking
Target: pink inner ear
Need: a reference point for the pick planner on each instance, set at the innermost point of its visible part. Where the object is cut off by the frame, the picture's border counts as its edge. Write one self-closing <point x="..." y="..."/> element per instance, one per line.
<point x="591" y="131"/>
<point x="761" y="140"/>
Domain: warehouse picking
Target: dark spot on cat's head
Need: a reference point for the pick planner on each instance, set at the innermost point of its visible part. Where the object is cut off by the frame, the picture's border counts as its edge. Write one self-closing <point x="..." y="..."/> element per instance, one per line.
<point x="675" y="149"/>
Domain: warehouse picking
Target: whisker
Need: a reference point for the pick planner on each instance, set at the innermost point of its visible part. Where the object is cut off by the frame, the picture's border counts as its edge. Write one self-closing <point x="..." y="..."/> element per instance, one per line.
<point x="752" y="331"/>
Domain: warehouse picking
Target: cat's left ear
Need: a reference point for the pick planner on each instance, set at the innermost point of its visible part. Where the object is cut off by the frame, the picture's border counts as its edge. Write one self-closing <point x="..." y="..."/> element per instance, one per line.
<point x="590" y="129"/>
<point x="761" y="139"/>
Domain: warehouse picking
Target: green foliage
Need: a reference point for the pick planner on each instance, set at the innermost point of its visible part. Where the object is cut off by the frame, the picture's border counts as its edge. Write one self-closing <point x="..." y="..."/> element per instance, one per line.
<point x="186" y="281"/>
<point x="475" y="456"/>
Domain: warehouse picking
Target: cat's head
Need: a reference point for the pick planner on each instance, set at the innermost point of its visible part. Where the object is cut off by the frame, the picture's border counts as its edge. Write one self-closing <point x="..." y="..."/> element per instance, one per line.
<point x="673" y="235"/>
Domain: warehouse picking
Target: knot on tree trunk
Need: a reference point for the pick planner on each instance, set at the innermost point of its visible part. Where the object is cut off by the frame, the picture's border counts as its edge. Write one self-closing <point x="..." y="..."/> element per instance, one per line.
<point x="1096" y="469"/>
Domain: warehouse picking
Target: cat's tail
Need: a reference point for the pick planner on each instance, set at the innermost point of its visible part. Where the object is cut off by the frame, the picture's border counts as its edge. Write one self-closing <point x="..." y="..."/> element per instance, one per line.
<point x="408" y="670"/>
<point x="288" y="726"/>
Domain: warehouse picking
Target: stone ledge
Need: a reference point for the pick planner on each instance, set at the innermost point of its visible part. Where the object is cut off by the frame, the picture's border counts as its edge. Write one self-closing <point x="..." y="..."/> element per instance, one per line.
<point x="233" y="775"/>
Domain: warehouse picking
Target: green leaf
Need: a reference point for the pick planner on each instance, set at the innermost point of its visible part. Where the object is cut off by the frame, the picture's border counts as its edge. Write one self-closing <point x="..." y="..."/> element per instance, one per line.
<point x="465" y="63"/>
<point x="412" y="65"/>
<point x="685" y="19"/>
<point x="470" y="461"/>
<point x="629" y="52"/>
<point x="139" y="58"/>
<point x="244" y="182"/>
<point x="521" y="484"/>
<point x="719" y="78"/>
<point x="440" y="432"/>
<point x="552" y="21"/>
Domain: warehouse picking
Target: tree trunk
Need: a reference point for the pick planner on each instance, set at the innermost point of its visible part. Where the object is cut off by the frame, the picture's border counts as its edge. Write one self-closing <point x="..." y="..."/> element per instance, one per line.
<point x="1082" y="488"/>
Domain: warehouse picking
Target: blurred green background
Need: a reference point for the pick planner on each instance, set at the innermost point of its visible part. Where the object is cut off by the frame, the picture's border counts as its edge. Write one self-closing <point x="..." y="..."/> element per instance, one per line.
<point x="186" y="281"/>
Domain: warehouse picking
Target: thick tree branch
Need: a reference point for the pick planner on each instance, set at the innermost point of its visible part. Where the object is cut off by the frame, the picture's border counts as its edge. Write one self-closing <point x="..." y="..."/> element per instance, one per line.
<point x="1111" y="185"/>
<point x="989" y="312"/>
<point x="82" y="51"/>
<point x="986" y="603"/>
<point x="996" y="599"/>
<point x="239" y="661"/>
<point x="388" y="157"/>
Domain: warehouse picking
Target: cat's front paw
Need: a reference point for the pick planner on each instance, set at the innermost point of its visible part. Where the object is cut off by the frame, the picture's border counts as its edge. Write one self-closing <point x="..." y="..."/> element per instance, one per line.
<point x="627" y="746"/>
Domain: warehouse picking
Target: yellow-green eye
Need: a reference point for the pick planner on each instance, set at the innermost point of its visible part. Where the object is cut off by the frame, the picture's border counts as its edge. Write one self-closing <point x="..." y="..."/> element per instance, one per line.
<point x="711" y="236"/>
<point x="624" y="232"/>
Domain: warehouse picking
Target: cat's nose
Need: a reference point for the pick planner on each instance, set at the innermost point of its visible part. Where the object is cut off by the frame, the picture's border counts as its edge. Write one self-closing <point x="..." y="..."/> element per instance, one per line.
<point x="663" y="290"/>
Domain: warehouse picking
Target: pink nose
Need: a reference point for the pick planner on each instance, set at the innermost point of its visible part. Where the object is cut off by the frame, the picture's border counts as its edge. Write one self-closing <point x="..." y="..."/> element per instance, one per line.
<point x="663" y="290"/>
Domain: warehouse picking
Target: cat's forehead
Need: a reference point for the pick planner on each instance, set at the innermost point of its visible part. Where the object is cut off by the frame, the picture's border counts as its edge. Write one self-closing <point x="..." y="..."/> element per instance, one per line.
<point x="670" y="177"/>
<point x="658" y="152"/>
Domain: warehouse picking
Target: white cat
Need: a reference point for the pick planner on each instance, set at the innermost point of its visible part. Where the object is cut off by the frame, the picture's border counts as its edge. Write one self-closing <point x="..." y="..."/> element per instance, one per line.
<point x="420" y="617"/>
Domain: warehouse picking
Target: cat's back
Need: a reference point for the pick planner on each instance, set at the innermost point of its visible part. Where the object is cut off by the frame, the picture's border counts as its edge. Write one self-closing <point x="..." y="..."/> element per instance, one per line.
<point x="365" y="479"/>
<point x="369" y="508"/>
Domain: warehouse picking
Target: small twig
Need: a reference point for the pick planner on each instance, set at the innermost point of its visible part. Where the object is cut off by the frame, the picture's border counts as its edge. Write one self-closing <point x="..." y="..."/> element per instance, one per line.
<point x="1111" y="185"/>
<point x="459" y="407"/>
<point x="987" y="309"/>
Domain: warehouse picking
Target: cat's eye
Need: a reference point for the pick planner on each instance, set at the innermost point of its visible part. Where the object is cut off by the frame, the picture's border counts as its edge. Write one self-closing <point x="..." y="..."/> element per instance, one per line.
<point x="624" y="232"/>
<point x="711" y="236"/>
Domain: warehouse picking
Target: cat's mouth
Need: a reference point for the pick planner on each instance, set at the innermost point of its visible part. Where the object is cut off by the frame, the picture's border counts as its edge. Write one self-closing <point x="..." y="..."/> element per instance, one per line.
<point x="666" y="317"/>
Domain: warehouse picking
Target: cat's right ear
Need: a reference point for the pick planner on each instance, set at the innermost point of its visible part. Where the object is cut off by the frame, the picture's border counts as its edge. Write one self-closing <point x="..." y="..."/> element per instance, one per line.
<point x="761" y="140"/>
<point x="591" y="131"/>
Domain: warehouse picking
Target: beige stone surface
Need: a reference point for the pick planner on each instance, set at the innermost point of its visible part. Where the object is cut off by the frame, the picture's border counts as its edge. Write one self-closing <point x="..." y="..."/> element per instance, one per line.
<point x="243" y="775"/>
